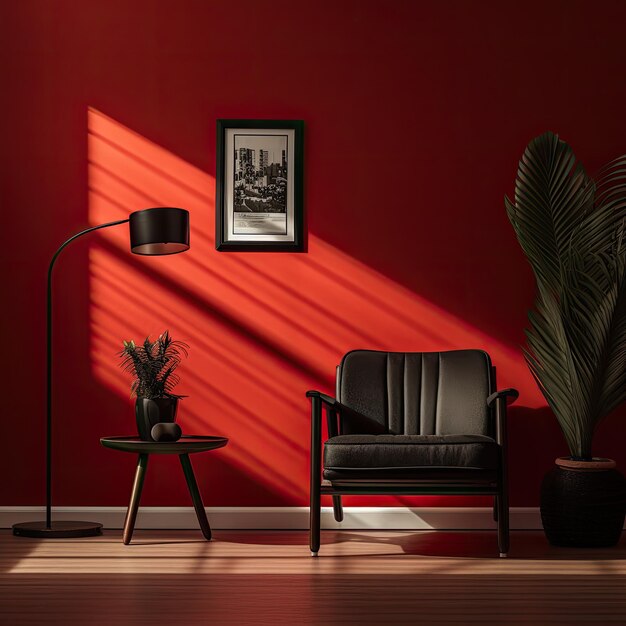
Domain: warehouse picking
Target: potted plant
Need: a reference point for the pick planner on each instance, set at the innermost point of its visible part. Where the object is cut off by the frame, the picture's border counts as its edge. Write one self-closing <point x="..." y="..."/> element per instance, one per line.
<point x="152" y="365"/>
<point x="572" y="230"/>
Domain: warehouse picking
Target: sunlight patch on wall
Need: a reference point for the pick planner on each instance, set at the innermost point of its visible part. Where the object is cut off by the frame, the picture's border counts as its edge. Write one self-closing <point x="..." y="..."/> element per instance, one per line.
<point x="263" y="327"/>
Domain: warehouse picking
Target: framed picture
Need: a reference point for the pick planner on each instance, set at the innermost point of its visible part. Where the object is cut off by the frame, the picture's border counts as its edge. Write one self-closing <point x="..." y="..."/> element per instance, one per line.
<point x="259" y="185"/>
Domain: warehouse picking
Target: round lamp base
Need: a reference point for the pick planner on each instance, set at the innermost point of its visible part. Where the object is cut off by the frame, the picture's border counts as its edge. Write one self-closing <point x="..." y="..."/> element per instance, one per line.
<point x="57" y="530"/>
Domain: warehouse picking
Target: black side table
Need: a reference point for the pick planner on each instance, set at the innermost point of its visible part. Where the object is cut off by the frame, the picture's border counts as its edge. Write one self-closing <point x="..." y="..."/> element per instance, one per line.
<point x="185" y="446"/>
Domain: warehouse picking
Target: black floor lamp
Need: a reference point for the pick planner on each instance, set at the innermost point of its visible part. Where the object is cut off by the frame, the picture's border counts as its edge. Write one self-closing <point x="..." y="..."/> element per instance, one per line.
<point x="163" y="230"/>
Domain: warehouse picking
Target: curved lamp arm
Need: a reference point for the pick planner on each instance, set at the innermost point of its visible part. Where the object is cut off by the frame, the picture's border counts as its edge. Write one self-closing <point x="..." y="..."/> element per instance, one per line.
<point x="49" y="365"/>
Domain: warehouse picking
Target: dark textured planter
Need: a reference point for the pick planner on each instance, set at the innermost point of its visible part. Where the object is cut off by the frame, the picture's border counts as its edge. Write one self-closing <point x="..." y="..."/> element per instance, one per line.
<point x="150" y="412"/>
<point x="583" y="505"/>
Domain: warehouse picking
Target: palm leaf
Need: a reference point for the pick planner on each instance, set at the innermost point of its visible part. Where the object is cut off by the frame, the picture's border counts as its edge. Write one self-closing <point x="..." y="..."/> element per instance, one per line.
<point x="552" y="195"/>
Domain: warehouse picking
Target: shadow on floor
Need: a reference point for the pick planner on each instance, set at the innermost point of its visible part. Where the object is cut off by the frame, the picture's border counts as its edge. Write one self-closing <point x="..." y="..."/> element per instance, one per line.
<point x="475" y="544"/>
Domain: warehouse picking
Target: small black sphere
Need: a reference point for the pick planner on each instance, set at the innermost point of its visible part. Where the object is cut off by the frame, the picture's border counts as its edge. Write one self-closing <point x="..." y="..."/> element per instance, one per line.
<point x="166" y="431"/>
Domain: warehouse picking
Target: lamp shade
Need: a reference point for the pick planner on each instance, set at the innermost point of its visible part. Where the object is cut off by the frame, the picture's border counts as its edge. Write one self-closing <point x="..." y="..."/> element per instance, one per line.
<point x="163" y="230"/>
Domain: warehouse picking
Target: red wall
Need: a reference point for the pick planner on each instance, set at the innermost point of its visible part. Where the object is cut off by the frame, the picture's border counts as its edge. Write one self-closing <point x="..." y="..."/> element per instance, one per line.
<point x="416" y="114"/>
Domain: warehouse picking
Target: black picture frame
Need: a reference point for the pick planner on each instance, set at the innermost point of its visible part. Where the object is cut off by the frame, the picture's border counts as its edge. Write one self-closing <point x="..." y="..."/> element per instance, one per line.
<point x="226" y="218"/>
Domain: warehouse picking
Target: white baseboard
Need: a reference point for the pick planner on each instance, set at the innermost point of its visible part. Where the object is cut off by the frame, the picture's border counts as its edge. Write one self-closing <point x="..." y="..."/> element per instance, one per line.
<point x="285" y="518"/>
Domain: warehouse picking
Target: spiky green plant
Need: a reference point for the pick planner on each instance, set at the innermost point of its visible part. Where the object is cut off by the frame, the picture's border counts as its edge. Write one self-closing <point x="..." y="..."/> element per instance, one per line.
<point x="152" y="365"/>
<point x="571" y="229"/>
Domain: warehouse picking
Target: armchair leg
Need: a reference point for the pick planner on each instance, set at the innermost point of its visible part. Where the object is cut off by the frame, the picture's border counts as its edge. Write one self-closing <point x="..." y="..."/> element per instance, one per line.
<point x="316" y="471"/>
<point x="337" y="509"/>
<point x="315" y="520"/>
<point x="503" y="523"/>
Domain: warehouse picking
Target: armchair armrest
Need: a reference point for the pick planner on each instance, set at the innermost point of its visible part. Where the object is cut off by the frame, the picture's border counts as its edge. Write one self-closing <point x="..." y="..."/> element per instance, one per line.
<point x="331" y="406"/>
<point x="351" y="421"/>
<point x="501" y="399"/>
<point x="327" y="400"/>
<point x="510" y="395"/>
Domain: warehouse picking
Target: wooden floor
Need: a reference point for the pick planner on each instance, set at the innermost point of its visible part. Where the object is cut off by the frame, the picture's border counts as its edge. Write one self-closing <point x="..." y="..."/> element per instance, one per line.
<point x="176" y="578"/>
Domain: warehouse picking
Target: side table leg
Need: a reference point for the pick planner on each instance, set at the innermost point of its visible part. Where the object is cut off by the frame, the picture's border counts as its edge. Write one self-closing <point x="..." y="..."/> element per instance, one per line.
<point x="131" y="514"/>
<point x="195" y="496"/>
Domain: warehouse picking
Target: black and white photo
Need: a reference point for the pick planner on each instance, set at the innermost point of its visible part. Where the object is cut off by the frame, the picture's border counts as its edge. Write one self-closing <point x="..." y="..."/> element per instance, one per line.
<point x="259" y="185"/>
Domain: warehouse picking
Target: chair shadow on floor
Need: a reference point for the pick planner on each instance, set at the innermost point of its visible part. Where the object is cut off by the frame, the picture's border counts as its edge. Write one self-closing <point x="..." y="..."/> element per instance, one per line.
<point x="474" y="544"/>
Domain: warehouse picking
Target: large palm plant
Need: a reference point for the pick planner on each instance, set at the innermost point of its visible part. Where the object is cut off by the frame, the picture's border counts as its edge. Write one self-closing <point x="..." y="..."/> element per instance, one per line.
<point x="572" y="230"/>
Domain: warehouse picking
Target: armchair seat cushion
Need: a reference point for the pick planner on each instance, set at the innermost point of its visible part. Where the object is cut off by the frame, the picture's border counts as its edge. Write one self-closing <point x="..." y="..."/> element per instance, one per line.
<point x="409" y="452"/>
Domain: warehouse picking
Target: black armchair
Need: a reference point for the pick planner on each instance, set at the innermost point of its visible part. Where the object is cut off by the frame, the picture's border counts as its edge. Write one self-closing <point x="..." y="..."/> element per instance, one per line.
<point x="411" y="423"/>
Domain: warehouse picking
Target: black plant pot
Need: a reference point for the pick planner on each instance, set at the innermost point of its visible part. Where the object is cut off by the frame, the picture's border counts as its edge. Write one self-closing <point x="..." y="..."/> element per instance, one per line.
<point x="150" y="412"/>
<point x="583" y="503"/>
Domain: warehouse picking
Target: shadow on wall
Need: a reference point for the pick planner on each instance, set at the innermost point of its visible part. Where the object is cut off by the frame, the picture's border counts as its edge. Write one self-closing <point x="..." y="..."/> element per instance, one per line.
<point x="263" y="328"/>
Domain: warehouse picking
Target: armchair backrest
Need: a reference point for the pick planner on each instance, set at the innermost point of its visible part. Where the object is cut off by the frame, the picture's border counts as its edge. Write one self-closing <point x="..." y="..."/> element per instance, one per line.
<point x="417" y="393"/>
